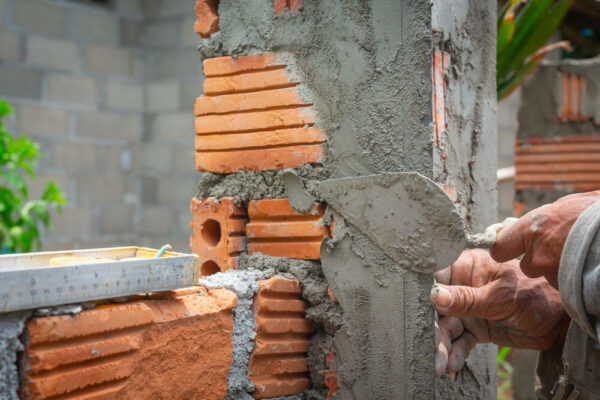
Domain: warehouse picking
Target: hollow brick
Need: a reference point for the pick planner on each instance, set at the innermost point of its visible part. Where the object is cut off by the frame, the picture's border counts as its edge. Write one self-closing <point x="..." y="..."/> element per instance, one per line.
<point x="278" y="366"/>
<point x="252" y="117"/>
<point x="276" y="229"/>
<point x="141" y="349"/>
<point x="218" y="233"/>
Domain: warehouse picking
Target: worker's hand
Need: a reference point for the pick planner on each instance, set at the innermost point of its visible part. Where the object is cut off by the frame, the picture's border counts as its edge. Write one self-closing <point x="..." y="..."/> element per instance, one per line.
<point x="541" y="235"/>
<point x="493" y="302"/>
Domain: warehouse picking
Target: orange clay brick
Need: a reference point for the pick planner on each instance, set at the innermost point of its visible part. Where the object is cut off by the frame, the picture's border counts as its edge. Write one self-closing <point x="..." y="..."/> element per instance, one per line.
<point x="228" y="103"/>
<point x="278" y="366"/>
<point x="281" y="5"/>
<point x="262" y="80"/>
<point x="218" y="228"/>
<point x="252" y="117"/>
<point x="258" y="159"/>
<point x="276" y="229"/>
<point x="330" y="375"/>
<point x="253" y="121"/>
<point x="207" y="21"/>
<point x="558" y="163"/>
<point x="141" y="349"/>
<point x="222" y="66"/>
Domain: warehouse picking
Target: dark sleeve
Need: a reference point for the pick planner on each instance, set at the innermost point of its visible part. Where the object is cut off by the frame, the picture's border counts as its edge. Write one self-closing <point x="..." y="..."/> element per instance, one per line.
<point x="579" y="271"/>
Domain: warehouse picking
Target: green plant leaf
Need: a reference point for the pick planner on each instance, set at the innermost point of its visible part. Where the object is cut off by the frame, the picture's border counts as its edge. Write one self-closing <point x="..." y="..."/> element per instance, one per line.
<point x="506" y="32"/>
<point x="502" y="353"/>
<point x="526" y="24"/>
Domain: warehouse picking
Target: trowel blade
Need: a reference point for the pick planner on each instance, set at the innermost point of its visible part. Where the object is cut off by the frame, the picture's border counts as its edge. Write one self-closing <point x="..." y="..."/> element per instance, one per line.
<point x="406" y="215"/>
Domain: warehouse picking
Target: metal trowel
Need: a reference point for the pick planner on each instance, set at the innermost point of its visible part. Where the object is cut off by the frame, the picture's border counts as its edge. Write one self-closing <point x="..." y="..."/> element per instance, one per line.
<point x="408" y="216"/>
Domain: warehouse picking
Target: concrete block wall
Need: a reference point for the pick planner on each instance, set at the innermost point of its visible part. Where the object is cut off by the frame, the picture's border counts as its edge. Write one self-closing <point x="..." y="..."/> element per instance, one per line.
<point x="107" y="89"/>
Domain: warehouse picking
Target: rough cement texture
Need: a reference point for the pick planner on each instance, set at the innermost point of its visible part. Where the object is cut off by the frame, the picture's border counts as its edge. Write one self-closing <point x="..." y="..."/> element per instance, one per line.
<point x="244" y="284"/>
<point x="537" y="115"/>
<point x="11" y="327"/>
<point x="465" y="158"/>
<point x="385" y="337"/>
<point x="366" y="68"/>
<point x="251" y="185"/>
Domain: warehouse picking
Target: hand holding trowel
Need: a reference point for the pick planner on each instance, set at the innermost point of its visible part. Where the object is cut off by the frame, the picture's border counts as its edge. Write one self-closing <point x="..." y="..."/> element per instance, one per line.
<point x="408" y="216"/>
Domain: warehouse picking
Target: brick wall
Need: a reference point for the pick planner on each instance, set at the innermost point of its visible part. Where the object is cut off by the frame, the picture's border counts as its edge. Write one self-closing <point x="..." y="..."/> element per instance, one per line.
<point x="108" y="92"/>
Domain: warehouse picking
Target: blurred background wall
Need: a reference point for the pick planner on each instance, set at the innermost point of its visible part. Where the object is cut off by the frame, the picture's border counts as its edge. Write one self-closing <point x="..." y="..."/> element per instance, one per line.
<point x="107" y="88"/>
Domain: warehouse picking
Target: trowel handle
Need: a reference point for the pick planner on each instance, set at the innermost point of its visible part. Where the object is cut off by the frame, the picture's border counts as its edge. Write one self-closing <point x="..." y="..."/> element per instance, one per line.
<point x="488" y="238"/>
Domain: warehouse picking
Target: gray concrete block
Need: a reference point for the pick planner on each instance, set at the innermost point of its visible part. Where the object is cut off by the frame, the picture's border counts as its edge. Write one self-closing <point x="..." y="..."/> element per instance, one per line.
<point x="119" y="158"/>
<point x="97" y="189"/>
<point x="72" y="89"/>
<point x="132" y="127"/>
<point x="189" y="37"/>
<point x="184" y="158"/>
<point x="41" y="120"/>
<point x="190" y="89"/>
<point x="53" y="53"/>
<point x="131" y="32"/>
<point x="40" y="17"/>
<point x="149" y="189"/>
<point x="95" y="27"/>
<point x="177" y="190"/>
<point x="110" y="60"/>
<point x="176" y="127"/>
<point x="10" y="46"/>
<point x="176" y="64"/>
<point x="74" y="156"/>
<point x="163" y="96"/>
<point x="99" y="125"/>
<point x="163" y="34"/>
<point x="173" y="8"/>
<point x="20" y="82"/>
<point x="124" y="96"/>
<point x="130" y="8"/>
<point x="2" y="11"/>
<point x="156" y="221"/>
<point x="73" y="222"/>
<point x="116" y="219"/>
<point x="156" y="157"/>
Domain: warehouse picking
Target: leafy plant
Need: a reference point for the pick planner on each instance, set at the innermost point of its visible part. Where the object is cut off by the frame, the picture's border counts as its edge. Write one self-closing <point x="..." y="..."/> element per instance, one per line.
<point x="20" y="219"/>
<point x="524" y="26"/>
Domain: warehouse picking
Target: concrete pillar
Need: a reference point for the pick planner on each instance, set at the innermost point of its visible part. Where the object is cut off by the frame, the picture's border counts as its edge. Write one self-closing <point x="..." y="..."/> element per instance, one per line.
<point x="326" y="89"/>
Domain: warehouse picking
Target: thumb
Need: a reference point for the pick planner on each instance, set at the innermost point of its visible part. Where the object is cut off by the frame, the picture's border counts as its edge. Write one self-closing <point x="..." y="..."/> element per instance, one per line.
<point x="459" y="301"/>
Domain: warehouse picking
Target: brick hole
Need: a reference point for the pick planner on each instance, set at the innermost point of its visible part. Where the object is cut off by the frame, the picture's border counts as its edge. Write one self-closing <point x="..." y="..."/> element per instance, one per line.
<point x="211" y="232"/>
<point x="209" y="268"/>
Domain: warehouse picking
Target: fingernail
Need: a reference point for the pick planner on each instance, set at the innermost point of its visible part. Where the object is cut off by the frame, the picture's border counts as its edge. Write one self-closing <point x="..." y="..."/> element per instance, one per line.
<point x="443" y="298"/>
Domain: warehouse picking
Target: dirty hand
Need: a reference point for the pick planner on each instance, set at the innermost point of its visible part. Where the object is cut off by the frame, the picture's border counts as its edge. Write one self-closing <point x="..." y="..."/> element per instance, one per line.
<point x="483" y="301"/>
<point x="541" y="235"/>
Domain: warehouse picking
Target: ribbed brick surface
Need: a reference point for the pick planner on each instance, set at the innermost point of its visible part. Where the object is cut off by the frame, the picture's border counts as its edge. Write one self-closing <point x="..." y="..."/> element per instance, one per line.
<point x="572" y="91"/>
<point x="330" y="375"/>
<point x="558" y="163"/>
<point x="252" y="117"/>
<point x="276" y="229"/>
<point x="278" y="366"/>
<point x="173" y="349"/>
<point x="207" y="18"/>
<point x="218" y="237"/>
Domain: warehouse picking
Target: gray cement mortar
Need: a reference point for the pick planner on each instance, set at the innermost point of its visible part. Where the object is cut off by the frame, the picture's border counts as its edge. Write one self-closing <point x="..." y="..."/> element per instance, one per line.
<point x="11" y="327"/>
<point x="366" y="68"/>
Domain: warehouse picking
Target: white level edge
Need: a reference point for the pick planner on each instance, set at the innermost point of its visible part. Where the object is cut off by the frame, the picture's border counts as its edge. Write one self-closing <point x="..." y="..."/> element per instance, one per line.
<point x="26" y="282"/>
